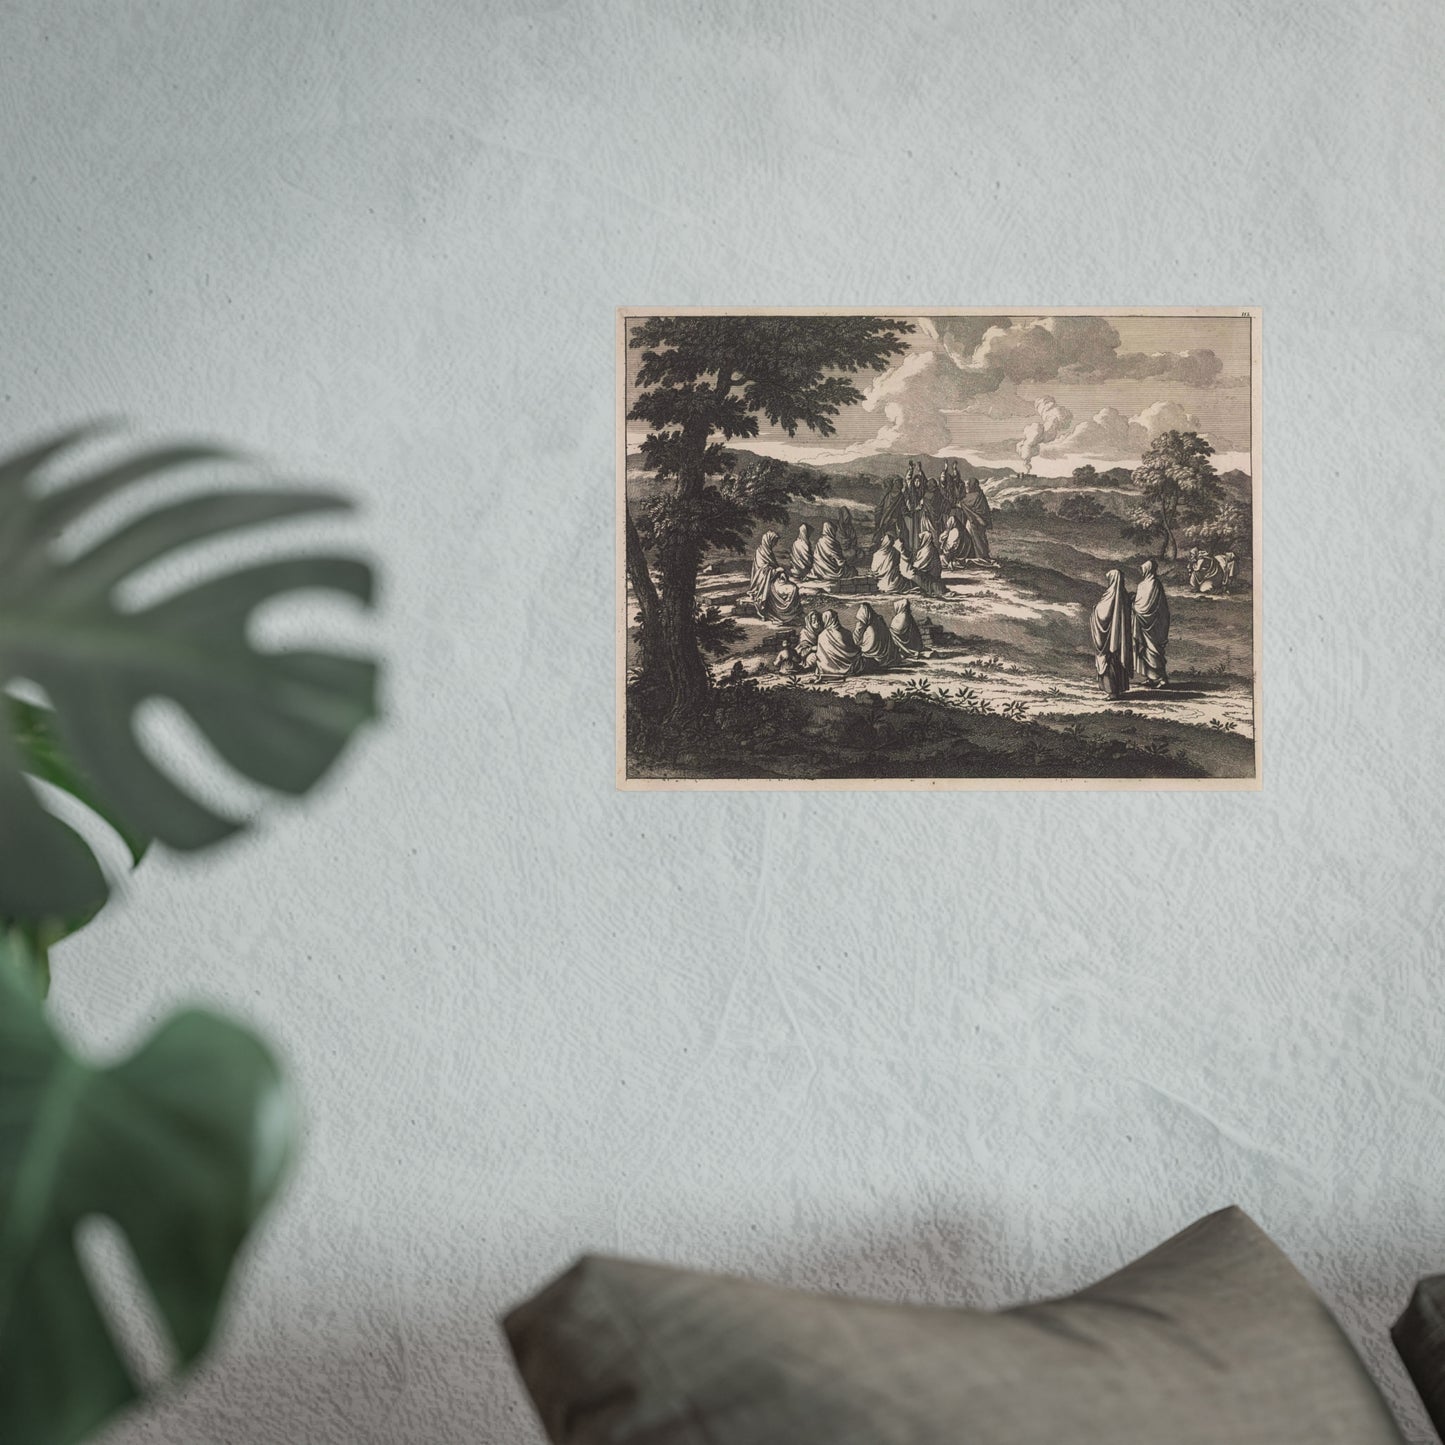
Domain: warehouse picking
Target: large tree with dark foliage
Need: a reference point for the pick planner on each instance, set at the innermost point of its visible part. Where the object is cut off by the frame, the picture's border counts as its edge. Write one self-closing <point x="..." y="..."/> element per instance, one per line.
<point x="704" y="381"/>
<point x="1177" y="486"/>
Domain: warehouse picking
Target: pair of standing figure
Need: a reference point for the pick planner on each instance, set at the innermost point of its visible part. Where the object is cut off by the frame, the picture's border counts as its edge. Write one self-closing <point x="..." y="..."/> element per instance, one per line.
<point x="1130" y="632"/>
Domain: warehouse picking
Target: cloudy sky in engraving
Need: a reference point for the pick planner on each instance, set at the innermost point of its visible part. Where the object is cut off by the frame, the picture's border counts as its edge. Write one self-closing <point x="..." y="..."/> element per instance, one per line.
<point x="1051" y="392"/>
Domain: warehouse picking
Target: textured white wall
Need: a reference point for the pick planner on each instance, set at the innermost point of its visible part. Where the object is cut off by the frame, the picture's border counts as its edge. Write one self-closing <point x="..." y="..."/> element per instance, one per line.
<point x="952" y="1048"/>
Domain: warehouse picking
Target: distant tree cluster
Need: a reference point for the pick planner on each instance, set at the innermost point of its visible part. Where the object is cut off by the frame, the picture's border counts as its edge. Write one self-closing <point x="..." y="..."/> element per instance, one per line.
<point x="1087" y="476"/>
<point x="1031" y="507"/>
<point x="1083" y="508"/>
<point x="1025" y="506"/>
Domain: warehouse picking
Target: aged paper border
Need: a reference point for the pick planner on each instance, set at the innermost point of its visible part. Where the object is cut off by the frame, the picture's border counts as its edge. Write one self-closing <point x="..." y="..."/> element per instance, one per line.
<point x="628" y="314"/>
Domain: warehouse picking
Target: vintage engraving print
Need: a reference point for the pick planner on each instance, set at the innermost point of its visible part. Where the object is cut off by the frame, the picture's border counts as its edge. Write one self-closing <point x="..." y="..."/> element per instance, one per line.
<point x="924" y="548"/>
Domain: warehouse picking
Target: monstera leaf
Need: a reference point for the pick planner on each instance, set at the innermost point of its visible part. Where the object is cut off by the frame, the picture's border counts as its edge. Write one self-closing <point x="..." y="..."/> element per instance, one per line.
<point x="181" y="1144"/>
<point x="34" y="732"/>
<point x="280" y="718"/>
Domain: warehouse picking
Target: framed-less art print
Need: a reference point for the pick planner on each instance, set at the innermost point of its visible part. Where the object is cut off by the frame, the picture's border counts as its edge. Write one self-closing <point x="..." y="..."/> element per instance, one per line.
<point x="934" y="548"/>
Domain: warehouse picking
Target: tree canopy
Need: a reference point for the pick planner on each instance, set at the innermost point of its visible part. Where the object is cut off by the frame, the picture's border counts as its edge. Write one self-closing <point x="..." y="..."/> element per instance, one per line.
<point x="723" y="515"/>
<point x="706" y="375"/>
<point x="1178" y="485"/>
<point x="703" y="381"/>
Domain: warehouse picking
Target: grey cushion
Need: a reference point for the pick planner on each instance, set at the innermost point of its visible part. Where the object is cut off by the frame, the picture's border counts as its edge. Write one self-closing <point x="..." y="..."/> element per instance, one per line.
<point x="1212" y="1337"/>
<point x="1419" y="1336"/>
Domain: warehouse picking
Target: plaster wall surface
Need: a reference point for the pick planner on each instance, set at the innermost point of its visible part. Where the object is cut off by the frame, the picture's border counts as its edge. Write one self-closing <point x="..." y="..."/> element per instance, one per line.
<point x="967" y="1048"/>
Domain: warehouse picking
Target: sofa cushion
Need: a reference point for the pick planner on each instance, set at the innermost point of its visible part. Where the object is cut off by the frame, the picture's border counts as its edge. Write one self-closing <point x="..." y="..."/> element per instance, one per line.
<point x="1213" y="1337"/>
<point x="1419" y="1336"/>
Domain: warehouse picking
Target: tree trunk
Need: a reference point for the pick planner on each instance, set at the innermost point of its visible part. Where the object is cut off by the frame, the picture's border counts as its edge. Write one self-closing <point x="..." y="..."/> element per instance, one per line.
<point x="679" y="658"/>
<point x="1169" y="544"/>
<point x="672" y="659"/>
<point x="646" y="594"/>
<point x="683" y="671"/>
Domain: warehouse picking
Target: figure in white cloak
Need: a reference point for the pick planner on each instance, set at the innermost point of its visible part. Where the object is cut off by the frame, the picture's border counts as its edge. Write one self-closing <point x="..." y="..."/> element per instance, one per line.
<point x="1151" y="627"/>
<point x="774" y="593"/>
<point x="1111" y="628"/>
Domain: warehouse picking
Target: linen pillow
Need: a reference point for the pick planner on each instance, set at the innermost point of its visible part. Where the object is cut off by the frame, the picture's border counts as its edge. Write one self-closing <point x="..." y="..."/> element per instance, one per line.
<point x="1213" y="1337"/>
<point x="1419" y="1336"/>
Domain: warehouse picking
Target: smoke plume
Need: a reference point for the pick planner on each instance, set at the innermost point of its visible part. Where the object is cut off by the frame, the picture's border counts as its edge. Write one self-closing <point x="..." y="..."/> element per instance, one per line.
<point x="1053" y="421"/>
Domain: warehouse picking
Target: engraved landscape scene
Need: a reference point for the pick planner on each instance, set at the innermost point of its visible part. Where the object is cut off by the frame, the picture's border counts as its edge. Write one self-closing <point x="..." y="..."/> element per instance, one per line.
<point x="953" y="548"/>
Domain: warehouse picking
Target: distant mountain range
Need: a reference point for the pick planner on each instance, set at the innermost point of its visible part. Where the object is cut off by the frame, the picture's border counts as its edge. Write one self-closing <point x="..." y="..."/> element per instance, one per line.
<point x="888" y="465"/>
<point x="1239" y="485"/>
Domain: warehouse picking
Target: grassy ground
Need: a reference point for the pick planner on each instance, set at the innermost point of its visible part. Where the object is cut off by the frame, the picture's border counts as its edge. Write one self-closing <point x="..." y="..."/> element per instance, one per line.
<point x="803" y="732"/>
<point x="1008" y="692"/>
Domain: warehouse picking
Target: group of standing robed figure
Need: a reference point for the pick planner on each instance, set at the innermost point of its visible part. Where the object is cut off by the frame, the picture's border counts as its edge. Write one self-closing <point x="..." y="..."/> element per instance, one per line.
<point x="957" y="510"/>
<point x="1130" y="632"/>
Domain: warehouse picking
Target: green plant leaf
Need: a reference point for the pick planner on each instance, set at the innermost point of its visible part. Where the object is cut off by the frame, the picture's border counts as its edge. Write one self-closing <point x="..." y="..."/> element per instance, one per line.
<point x="26" y="957"/>
<point x="182" y="1145"/>
<point x="36" y="736"/>
<point x="39" y="742"/>
<point x="280" y="718"/>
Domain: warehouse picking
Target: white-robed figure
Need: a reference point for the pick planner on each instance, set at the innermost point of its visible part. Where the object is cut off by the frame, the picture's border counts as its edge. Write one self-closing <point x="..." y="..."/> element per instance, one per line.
<point x="953" y="543"/>
<point x="874" y="639"/>
<point x="1151" y="627"/>
<point x="1211" y="573"/>
<point x="907" y="634"/>
<point x="774" y="592"/>
<point x="1111" y="629"/>
<point x="927" y="565"/>
<point x="836" y="654"/>
<point x="887" y="567"/>
<point x="830" y="562"/>
<point x="802" y="553"/>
